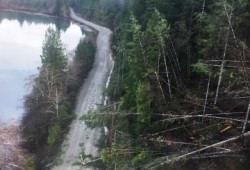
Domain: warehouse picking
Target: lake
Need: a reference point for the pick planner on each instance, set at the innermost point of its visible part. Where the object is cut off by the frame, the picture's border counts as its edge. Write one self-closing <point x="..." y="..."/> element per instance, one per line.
<point x="21" y="39"/>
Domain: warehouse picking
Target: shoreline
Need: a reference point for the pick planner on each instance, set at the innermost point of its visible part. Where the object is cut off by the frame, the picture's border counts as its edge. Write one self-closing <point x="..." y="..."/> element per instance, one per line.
<point x="99" y="76"/>
<point x="47" y="14"/>
<point x="17" y="120"/>
<point x="12" y="154"/>
<point x="9" y="123"/>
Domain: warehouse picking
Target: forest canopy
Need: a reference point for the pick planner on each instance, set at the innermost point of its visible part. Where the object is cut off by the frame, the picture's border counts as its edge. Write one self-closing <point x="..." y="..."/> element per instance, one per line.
<point x="180" y="81"/>
<point x="179" y="90"/>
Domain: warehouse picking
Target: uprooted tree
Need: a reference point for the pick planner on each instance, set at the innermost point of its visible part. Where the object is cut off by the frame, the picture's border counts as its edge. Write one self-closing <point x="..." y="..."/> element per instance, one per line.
<point x="181" y="84"/>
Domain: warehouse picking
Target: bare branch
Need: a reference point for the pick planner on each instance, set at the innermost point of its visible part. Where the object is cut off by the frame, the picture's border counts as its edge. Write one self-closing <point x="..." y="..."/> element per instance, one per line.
<point x="203" y="7"/>
<point x="208" y="86"/>
<point x="203" y="116"/>
<point x="165" y="160"/>
<point x="222" y="67"/>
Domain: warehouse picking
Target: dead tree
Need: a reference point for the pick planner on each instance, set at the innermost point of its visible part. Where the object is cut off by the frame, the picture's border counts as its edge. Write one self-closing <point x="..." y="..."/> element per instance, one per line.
<point x="50" y="86"/>
<point x="166" y="160"/>
<point x="222" y="67"/>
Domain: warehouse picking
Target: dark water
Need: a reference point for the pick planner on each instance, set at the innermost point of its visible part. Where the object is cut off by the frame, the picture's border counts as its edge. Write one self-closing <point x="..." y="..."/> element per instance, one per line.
<point x="21" y="38"/>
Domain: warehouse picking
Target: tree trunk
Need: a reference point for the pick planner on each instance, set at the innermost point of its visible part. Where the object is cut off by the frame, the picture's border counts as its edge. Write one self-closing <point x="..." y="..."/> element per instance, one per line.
<point x="57" y="104"/>
<point x="246" y="119"/>
<point x="208" y="86"/>
<point x="222" y="67"/>
<point x="165" y="160"/>
<point x="203" y="7"/>
<point x="162" y="92"/>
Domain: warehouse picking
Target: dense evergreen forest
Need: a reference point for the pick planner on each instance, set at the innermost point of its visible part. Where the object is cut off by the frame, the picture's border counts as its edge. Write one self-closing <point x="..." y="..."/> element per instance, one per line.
<point x="180" y="86"/>
<point x="179" y="90"/>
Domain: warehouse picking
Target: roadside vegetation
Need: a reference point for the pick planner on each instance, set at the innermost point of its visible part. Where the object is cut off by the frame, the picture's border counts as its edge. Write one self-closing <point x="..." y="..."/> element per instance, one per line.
<point x="179" y="91"/>
<point x="180" y="86"/>
<point x="49" y="108"/>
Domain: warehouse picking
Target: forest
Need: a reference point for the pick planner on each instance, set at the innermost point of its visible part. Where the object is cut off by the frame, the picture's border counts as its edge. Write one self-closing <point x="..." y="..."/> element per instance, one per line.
<point x="179" y="95"/>
<point x="49" y="108"/>
<point x="52" y="7"/>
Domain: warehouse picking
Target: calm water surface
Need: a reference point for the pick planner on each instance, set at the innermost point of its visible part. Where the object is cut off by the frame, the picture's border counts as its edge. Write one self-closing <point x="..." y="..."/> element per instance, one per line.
<point x="21" y="38"/>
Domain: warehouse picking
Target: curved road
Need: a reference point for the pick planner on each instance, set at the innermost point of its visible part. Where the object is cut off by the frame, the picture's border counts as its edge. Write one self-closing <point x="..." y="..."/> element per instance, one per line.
<point x="81" y="138"/>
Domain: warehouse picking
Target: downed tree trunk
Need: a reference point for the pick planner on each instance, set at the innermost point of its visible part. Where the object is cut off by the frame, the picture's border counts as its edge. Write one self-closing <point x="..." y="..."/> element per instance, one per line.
<point x="166" y="160"/>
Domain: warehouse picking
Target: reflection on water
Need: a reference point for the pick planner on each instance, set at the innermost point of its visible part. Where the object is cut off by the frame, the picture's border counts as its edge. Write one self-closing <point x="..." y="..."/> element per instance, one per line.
<point x="34" y="19"/>
<point x="21" y="38"/>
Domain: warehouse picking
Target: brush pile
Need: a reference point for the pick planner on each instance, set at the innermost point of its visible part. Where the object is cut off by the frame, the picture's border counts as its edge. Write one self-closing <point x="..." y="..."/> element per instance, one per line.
<point x="12" y="156"/>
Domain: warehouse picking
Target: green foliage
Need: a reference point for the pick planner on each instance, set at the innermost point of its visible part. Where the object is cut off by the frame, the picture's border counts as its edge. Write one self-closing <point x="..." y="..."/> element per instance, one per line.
<point x="96" y="119"/>
<point x="84" y="58"/>
<point x="157" y="38"/>
<point x="117" y="157"/>
<point x="157" y="45"/>
<point x="65" y="117"/>
<point x="29" y="164"/>
<point x="108" y="12"/>
<point x="140" y="158"/>
<point x="49" y="108"/>
<point x="58" y="7"/>
<point x="53" y="51"/>
<point x="101" y="117"/>
<point x="34" y="19"/>
<point x="200" y="68"/>
<point x="85" y="53"/>
<point x="143" y="102"/>
<point x="54" y="135"/>
<point x="156" y="33"/>
<point x="53" y="7"/>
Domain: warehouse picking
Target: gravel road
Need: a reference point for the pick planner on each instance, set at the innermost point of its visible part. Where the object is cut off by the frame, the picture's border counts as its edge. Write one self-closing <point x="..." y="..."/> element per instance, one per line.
<point x="80" y="138"/>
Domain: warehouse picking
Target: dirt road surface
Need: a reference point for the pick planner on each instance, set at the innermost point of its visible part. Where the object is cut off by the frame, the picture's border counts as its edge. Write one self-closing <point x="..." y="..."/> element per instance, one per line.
<point x="80" y="137"/>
